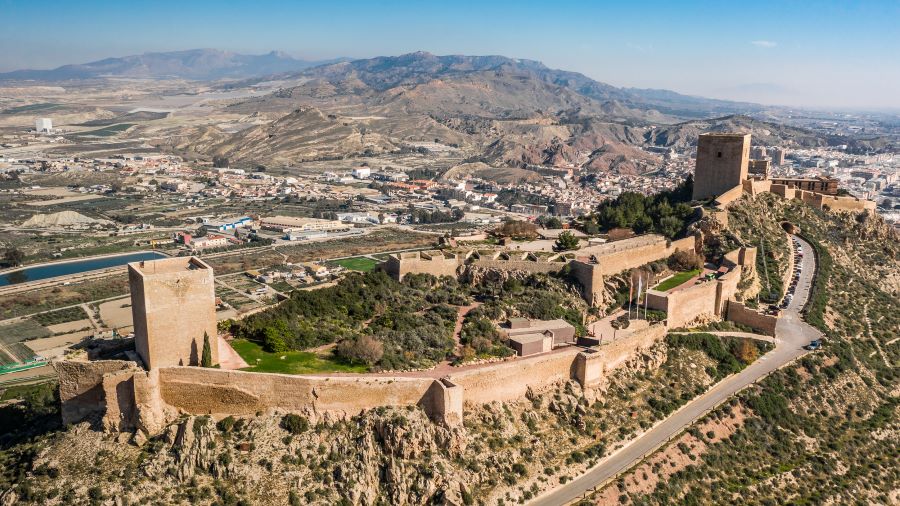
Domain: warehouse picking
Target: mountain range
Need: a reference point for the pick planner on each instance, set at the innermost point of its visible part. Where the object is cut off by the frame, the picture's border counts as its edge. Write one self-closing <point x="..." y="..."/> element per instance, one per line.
<point x="506" y="112"/>
<point x="193" y="64"/>
<point x="499" y="111"/>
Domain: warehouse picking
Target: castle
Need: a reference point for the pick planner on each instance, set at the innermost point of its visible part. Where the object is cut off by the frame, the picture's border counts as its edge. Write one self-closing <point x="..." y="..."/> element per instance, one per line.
<point x="173" y="305"/>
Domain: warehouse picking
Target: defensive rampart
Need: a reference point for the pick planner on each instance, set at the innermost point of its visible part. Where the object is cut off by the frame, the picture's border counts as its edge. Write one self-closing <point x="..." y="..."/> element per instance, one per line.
<point x="532" y="266"/>
<point x="435" y="263"/>
<point x="762" y="323"/>
<point x="123" y="397"/>
<point x="199" y="390"/>
<point x="825" y="202"/>
<point x="683" y="305"/>
<point x="595" y="262"/>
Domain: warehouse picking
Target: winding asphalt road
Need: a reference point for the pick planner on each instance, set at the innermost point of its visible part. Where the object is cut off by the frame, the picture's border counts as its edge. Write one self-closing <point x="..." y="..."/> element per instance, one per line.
<point x="792" y="333"/>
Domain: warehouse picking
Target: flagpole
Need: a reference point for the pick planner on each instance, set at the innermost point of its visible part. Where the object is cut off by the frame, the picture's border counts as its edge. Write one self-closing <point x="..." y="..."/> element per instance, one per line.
<point x="630" y="295"/>
<point x="647" y="296"/>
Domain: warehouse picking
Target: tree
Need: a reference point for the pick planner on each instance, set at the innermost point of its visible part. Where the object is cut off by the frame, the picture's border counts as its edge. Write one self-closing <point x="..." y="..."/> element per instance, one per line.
<point x="566" y="241"/>
<point x="273" y="342"/>
<point x="590" y="227"/>
<point x="553" y="223"/>
<point x="206" y="357"/>
<point x="363" y="349"/>
<point x="220" y="161"/>
<point x="13" y="256"/>
<point x="295" y="424"/>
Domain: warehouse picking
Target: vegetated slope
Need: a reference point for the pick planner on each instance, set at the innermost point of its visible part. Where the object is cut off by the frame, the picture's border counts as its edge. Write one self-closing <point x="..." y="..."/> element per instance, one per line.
<point x="823" y="430"/>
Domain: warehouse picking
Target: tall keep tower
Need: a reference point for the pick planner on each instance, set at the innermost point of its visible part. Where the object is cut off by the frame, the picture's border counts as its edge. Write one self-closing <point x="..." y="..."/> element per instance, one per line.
<point x="173" y="303"/>
<point x="722" y="160"/>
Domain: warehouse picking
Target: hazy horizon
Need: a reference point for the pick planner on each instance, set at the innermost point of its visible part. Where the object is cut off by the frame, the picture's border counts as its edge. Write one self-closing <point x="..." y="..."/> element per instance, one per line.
<point x="818" y="55"/>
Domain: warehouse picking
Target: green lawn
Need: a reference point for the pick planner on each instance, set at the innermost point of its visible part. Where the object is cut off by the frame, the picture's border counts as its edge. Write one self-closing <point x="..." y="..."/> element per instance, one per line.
<point x="361" y="264"/>
<point x="295" y="362"/>
<point x="677" y="280"/>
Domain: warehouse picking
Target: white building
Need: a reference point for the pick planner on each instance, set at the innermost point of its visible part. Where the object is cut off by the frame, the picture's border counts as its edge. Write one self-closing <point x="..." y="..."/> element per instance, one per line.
<point x="43" y="125"/>
<point x="295" y="224"/>
<point x="362" y="172"/>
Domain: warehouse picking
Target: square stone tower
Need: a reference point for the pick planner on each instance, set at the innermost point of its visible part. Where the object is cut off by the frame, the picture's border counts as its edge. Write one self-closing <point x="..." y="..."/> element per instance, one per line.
<point x="722" y="160"/>
<point x="173" y="302"/>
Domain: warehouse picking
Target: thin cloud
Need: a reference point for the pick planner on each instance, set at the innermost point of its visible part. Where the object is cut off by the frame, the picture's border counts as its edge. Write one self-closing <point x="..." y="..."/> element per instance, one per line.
<point x="764" y="43"/>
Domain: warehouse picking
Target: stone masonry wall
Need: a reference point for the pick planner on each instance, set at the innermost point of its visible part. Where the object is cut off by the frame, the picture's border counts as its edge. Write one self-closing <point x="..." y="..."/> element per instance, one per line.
<point x="81" y="389"/>
<point x="511" y="380"/>
<point x="198" y="391"/>
<point x="124" y="397"/>
<point x="399" y="265"/>
<point x="519" y="265"/>
<point x="685" y="305"/>
<point x="764" y="324"/>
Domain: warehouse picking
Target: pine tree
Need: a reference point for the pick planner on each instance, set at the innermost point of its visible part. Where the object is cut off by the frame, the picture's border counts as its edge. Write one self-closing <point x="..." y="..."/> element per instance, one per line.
<point x="206" y="358"/>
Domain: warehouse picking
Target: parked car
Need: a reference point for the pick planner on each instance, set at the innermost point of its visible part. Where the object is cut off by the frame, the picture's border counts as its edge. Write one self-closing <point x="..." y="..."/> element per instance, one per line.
<point x="813" y="345"/>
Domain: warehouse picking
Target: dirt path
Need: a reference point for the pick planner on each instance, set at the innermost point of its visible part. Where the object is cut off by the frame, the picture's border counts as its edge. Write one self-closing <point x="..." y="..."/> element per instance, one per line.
<point x="460" y="316"/>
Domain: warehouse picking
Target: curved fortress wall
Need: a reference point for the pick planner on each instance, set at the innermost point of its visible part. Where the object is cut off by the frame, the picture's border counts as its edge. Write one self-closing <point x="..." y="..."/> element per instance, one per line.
<point x="124" y="397"/>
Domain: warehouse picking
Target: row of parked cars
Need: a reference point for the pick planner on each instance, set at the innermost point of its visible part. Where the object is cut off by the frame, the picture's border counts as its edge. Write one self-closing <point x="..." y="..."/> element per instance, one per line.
<point x="795" y="276"/>
<point x="815" y="344"/>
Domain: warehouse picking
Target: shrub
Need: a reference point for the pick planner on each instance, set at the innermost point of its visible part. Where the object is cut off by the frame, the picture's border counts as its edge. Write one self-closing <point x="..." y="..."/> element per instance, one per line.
<point x="295" y="424"/>
<point x="226" y="424"/>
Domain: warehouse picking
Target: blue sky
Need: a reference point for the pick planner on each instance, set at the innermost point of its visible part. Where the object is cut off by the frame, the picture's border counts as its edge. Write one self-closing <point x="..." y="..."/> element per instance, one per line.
<point x="813" y="53"/>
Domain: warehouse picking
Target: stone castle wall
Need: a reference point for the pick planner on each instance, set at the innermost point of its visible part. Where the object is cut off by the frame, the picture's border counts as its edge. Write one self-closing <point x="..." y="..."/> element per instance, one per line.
<point x="764" y="324"/>
<point x="820" y="201"/>
<point x="530" y="266"/>
<point x="124" y="397"/>
<point x="590" y="278"/>
<point x="730" y="196"/>
<point x="507" y="381"/>
<point x="198" y="390"/>
<point x="590" y="274"/>
<point x="81" y="388"/>
<point x="432" y="262"/>
<point x="684" y="305"/>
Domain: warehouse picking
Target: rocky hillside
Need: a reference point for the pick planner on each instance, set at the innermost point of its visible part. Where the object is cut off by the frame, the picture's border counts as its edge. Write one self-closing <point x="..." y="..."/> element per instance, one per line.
<point x="825" y="430"/>
<point x="505" y="452"/>
<point x="505" y="111"/>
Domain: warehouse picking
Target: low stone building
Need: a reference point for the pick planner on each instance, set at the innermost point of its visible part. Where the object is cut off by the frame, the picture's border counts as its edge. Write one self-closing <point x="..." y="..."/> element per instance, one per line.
<point x="528" y="337"/>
